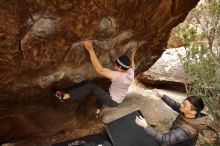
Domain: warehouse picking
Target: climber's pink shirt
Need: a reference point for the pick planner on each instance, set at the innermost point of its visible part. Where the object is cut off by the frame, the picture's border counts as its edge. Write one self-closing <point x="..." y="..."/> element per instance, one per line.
<point x="120" y="84"/>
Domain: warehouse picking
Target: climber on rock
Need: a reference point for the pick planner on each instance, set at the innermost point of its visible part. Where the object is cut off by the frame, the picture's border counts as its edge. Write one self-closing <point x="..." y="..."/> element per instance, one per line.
<point x="121" y="78"/>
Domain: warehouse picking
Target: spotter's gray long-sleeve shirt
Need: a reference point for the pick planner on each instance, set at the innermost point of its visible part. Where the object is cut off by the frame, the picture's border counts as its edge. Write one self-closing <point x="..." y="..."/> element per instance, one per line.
<point x="184" y="131"/>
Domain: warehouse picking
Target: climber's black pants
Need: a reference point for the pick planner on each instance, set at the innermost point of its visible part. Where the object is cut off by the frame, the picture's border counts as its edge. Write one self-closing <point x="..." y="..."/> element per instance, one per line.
<point x="90" y="88"/>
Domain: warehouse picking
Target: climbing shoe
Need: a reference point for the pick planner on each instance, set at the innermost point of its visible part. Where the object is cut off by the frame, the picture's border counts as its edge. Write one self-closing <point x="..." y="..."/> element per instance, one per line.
<point x="58" y="94"/>
<point x="98" y="113"/>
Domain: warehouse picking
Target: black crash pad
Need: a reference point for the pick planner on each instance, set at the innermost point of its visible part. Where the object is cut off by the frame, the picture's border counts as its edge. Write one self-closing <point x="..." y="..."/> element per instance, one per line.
<point x="125" y="132"/>
<point x="91" y="140"/>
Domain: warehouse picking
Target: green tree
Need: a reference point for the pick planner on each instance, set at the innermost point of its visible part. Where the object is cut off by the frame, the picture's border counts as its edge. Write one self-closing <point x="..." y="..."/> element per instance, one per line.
<point x="200" y="34"/>
<point x="206" y="17"/>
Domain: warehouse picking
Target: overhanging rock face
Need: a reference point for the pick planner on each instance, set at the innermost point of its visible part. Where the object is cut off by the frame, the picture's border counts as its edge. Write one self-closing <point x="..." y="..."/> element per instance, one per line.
<point x="41" y="46"/>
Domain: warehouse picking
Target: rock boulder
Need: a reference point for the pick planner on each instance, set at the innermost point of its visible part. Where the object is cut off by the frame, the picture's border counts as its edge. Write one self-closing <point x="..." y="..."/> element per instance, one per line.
<point x="41" y="47"/>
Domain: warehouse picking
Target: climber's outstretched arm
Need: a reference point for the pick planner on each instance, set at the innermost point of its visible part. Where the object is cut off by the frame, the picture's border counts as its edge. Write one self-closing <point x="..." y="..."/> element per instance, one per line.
<point x="95" y="61"/>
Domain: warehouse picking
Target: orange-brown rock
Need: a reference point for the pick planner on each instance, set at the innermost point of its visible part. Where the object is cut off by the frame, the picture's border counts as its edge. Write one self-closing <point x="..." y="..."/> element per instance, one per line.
<point x="41" y="47"/>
